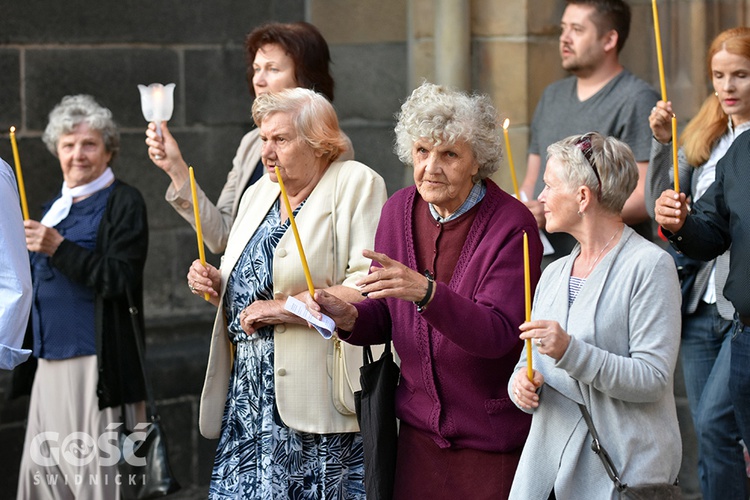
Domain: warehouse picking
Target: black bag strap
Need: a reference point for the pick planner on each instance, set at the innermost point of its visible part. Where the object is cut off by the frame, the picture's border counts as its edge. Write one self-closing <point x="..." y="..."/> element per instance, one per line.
<point x="153" y="415"/>
<point x="597" y="448"/>
<point x="367" y="353"/>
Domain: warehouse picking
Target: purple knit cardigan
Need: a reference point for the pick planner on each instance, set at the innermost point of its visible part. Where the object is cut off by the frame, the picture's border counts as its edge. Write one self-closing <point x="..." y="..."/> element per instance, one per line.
<point x="457" y="356"/>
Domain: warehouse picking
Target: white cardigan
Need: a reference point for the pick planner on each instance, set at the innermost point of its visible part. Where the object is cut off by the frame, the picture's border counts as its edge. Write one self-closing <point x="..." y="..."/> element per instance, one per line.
<point x="336" y="223"/>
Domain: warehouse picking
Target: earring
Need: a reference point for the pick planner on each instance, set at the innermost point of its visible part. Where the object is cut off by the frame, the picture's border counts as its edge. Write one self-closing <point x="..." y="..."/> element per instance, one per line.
<point x="581" y="214"/>
<point x="716" y="94"/>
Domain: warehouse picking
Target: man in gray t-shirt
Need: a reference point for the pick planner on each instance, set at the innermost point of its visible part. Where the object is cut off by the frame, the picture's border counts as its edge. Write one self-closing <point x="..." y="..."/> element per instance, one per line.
<point x="601" y="95"/>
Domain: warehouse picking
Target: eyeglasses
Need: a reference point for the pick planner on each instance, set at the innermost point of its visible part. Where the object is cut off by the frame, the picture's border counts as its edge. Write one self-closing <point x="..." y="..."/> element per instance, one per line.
<point x="584" y="144"/>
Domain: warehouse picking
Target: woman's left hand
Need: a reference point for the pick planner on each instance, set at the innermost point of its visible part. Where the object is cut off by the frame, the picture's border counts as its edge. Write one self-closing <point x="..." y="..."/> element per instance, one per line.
<point x="263" y="313"/>
<point x="548" y="336"/>
<point x="524" y="390"/>
<point x="42" y="239"/>
<point x="392" y="280"/>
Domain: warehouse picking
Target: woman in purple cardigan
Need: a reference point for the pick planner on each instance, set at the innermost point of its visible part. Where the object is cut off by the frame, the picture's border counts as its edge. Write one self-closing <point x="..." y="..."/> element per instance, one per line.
<point x="447" y="284"/>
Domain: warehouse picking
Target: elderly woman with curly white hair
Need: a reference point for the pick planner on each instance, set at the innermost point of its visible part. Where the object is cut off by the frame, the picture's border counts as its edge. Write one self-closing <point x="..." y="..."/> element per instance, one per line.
<point x="448" y="285"/>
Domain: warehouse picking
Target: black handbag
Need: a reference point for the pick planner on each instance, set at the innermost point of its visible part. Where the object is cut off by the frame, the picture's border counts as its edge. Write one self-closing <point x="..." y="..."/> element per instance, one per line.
<point x="376" y="413"/>
<point x="657" y="491"/>
<point x="144" y="461"/>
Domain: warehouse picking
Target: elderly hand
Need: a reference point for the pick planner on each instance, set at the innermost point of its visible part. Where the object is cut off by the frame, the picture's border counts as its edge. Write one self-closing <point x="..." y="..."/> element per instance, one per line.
<point x="204" y="279"/>
<point x="524" y="390"/>
<point x="342" y="313"/>
<point x="263" y="313"/>
<point x="548" y="336"/>
<point x="393" y="279"/>
<point x="660" y="121"/>
<point x="670" y="210"/>
<point x="41" y="238"/>
<point x="165" y="153"/>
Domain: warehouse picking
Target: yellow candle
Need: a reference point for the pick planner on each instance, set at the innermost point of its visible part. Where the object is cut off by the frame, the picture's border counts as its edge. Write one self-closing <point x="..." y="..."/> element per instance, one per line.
<point x="198" y="230"/>
<point x="510" y="158"/>
<point x="19" y="174"/>
<point x="527" y="298"/>
<point x="675" y="163"/>
<point x="288" y="206"/>
<point x="659" y="58"/>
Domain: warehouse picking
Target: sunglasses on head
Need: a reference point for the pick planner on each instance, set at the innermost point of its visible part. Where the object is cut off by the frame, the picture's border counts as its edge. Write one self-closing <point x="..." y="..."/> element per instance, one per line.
<point x="584" y="144"/>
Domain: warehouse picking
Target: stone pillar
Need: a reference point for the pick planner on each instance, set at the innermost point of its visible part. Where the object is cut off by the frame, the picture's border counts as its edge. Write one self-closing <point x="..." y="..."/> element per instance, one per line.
<point x="452" y="44"/>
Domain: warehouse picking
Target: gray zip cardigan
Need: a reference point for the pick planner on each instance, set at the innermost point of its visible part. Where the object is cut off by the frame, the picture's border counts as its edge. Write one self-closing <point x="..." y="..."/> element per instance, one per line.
<point x="625" y="335"/>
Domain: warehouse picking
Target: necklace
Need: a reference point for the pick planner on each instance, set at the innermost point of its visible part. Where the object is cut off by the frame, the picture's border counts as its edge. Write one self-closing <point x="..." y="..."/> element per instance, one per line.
<point x="600" y="253"/>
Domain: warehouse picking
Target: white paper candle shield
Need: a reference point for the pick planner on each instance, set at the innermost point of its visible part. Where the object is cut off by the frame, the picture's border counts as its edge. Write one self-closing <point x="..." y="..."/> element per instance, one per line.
<point x="157" y="103"/>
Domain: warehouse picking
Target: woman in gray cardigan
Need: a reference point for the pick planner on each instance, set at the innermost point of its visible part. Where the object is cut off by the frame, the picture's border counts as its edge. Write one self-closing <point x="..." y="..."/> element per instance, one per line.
<point x="605" y="330"/>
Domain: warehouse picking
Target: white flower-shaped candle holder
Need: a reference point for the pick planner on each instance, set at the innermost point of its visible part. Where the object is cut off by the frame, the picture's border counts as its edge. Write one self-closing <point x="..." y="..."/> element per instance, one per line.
<point x="157" y="103"/>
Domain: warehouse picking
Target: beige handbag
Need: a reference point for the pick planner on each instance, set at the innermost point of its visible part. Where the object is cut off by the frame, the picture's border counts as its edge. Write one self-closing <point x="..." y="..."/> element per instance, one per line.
<point x="343" y="390"/>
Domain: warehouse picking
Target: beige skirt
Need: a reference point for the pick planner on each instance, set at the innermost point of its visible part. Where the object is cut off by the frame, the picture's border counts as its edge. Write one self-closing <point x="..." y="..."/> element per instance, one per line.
<point x="70" y="450"/>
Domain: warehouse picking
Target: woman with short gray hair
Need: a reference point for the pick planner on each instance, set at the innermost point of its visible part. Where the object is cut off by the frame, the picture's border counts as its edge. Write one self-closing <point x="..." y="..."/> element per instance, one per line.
<point x="606" y="330"/>
<point x="88" y="253"/>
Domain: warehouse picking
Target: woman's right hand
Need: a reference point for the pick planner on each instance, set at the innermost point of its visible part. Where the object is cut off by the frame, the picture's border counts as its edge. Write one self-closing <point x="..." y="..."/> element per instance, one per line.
<point x="670" y="210"/>
<point x="524" y="390"/>
<point x="165" y="154"/>
<point x="660" y="121"/>
<point x="342" y="313"/>
<point x="204" y="279"/>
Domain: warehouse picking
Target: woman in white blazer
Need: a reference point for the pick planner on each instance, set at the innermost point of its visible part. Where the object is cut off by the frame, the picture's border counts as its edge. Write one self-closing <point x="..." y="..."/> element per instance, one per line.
<point x="606" y="330"/>
<point x="277" y="394"/>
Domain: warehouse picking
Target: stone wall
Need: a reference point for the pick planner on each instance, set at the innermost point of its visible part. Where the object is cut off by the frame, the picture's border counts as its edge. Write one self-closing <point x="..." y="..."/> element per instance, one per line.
<point x="51" y="49"/>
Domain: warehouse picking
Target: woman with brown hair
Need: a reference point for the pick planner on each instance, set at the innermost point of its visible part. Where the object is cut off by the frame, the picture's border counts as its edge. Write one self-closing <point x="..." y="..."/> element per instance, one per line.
<point x="279" y="56"/>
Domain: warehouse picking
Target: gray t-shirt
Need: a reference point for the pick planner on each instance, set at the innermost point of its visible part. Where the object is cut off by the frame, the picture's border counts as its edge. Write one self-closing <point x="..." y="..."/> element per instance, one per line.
<point x="620" y="109"/>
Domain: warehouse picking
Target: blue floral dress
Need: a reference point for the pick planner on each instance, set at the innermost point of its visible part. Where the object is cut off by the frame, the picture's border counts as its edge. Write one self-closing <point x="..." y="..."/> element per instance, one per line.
<point x="257" y="455"/>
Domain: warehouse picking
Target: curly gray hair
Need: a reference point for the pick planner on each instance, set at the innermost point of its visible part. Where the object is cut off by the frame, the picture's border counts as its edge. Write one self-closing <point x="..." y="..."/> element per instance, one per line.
<point x="440" y="114"/>
<point x="74" y="110"/>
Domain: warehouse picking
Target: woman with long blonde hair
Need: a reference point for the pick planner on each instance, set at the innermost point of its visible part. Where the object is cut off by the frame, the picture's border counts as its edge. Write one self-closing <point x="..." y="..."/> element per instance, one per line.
<point x="707" y="314"/>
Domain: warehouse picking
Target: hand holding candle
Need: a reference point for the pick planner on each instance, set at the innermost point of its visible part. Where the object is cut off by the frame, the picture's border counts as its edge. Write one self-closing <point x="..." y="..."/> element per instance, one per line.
<point x="288" y="206"/>
<point x="19" y="174"/>
<point x="527" y="298"/>
<point x="198" y="230"/>
<point x="675" y="162"/>
<point x="510" y="159"/>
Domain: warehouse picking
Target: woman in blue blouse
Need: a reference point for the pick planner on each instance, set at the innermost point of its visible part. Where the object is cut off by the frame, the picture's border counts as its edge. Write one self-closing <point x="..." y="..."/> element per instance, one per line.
<point x="88" y="254"/>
